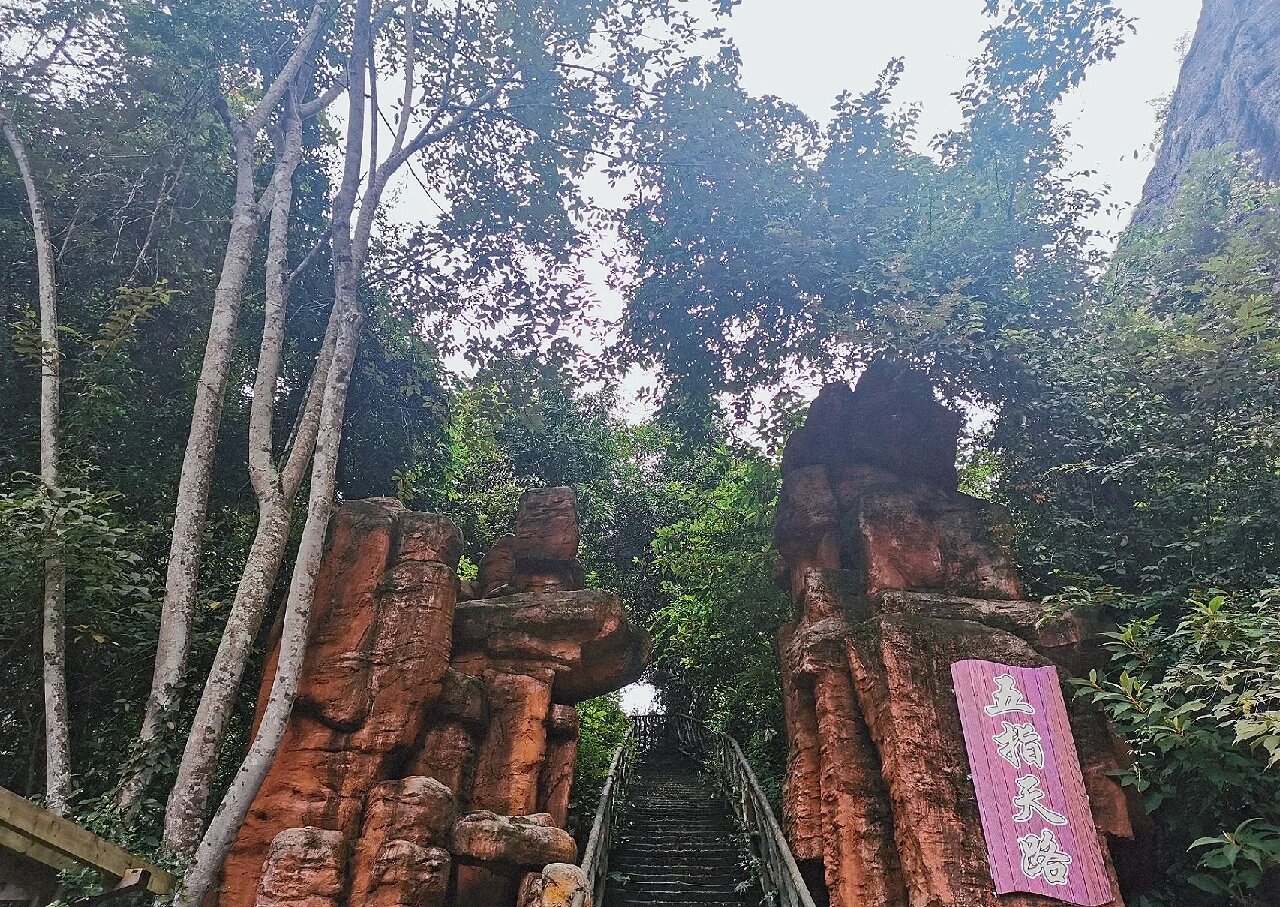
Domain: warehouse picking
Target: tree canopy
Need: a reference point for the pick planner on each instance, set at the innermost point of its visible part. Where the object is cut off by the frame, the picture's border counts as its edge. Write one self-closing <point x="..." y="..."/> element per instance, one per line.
<point x="1125" y="403"/>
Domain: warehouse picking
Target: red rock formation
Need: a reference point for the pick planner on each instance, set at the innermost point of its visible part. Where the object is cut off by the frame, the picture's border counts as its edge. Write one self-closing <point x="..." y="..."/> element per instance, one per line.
<point x="895" y="574"/>
<point x="510" y="759"/>
<point x="414" y="710"/>
<point x="801" y="792"/>
<point x="377" y="656"/>
<point x="398" y="857"/>
<point x="304" y="868"/>
<point x="497" y="851"/>
<point x="557" y="769"/>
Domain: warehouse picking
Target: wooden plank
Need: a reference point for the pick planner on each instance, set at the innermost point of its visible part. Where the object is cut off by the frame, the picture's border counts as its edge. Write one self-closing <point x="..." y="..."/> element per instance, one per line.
<point x="20" y="844"/>
<point x="52" y="837"/>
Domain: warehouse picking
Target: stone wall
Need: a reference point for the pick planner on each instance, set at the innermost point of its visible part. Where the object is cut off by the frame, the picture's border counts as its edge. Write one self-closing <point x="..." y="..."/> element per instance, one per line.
<point x="894" y="575"/>
<point x="430" y="754"/>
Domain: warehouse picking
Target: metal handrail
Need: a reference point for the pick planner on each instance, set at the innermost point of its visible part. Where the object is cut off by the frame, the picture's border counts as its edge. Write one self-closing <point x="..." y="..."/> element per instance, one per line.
<point x="774" y="862"/>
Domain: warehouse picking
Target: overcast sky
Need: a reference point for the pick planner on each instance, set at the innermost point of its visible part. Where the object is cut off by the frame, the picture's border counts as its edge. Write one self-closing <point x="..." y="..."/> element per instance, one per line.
<point x="807" y="51"/>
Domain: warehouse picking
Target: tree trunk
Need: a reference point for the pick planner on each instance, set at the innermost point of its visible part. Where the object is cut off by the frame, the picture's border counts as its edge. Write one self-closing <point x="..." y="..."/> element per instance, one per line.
<point x="284" y="688"/>
<point x="197" y="476"/>
<point x="221" y="833"/>
<point x="53" y="642"/>
<point x="276" y="491"/>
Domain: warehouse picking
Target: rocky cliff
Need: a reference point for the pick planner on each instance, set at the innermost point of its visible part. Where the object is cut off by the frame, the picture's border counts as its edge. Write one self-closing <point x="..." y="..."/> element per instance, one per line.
<point x="430" y="754"/>
<point x="1228" y="91"/>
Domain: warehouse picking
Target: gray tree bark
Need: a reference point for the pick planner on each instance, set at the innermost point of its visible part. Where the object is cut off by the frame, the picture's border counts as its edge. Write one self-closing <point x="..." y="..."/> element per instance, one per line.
<point x="276" y="489"/>
<point x="53" y="610"/>
<point x="350" y="237"/>
<point x="196" y="476"/>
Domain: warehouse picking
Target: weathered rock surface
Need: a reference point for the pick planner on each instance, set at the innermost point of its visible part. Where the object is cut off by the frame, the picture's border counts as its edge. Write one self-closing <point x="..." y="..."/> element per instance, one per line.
<point x="894" y="574"/>
<point x="547" y="525"/>
<point x="304" y="868"/>
<point x="556" y="781"/>
<point x="510" y="758"/>
<point x="582" y="639"/>
<point x="413" y="710"/>
<point x="915" y="727"/>
<point x="558" y="885"/>
<point x="397" y="858"/>
<point x="1228" y="92"/>
<point x="801" y="790"/>
<point x="497" y="569"/>
<point x="498" y="851"/>
<point x="893" y="420"/>
<point x="533" y="840"/>
<point x="376" y="660"/>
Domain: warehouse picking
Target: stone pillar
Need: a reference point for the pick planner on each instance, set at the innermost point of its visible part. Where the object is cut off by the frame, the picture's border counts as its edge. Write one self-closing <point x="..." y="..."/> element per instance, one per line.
<point x="429" y="758"/>
<point x="511" y="756"/>
<point x="895" y="574"/>
<point x="556" y="782"/>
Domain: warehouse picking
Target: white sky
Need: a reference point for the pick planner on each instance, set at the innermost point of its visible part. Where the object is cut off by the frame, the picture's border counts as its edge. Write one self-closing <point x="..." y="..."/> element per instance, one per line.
<point x="807" y="51"/>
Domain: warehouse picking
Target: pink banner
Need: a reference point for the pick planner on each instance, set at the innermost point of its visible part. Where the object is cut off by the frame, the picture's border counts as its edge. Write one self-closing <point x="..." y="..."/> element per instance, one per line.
<point x="1035" y="812"/>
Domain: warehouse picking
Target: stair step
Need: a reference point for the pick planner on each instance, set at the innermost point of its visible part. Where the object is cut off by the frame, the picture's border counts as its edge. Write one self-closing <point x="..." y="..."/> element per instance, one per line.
<point x="679" y="844"/>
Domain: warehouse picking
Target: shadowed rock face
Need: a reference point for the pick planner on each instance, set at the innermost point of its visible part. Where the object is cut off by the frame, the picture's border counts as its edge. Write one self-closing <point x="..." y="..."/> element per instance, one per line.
<point x="430" y="755"/>
<point x="1228" y="91"/>
<point x="894" y="575"/>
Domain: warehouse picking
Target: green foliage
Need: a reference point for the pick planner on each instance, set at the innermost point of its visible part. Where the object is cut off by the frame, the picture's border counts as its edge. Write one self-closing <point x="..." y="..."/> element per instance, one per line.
<point x="514" y="428"/>
<point x="714" y="655"/>
<point x="1241" y="857"/>
<point x="772" y="248"/>
<point x="110" y="618"/>
<point x="1142" y="452"/>
<point x="1140" y="465"/>
<point x="1199" y="703"/>
<point x="601" y="729"/>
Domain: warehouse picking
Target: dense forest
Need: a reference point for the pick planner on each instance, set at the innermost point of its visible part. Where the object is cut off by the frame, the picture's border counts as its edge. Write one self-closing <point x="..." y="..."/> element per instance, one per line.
<point x="216" y="321"/>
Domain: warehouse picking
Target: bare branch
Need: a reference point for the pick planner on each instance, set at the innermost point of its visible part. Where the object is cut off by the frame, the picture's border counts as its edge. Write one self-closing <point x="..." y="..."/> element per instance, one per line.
<point x="463" y="116"/>
<point x="307" y="261"/>
<point x="275" y="91"/>
<point x="410" y="61"/>
<point x="372" y="65"/>
<point x="327" y="97"/>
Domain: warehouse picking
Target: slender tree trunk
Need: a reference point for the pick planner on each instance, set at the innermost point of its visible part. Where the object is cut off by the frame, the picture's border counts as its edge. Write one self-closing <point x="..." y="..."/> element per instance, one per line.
<point x="53" y="641"/>
<point x="196" y="476"/>
<point x="235" y="805"/>
<point x="276" y="491"/>
<point x="222" y="830"/>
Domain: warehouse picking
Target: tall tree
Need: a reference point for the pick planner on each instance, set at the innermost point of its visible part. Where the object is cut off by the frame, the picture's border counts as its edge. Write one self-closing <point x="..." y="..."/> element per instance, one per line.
<point x="770" y="248"/>
<point x="57" y="733"/>
<point x="43" y="42"/>
<point x="500" y="100"/>
<point x="196" y="476"/>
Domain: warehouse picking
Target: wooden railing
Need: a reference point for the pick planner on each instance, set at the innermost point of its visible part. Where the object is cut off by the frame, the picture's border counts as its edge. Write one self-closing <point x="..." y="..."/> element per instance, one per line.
<point x="776" y="867"/>
<point x="595" y="860"/>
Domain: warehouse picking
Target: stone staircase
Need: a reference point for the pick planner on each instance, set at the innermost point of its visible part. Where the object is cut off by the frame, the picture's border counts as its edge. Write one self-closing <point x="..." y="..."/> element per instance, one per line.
<point x="678" y="843"/>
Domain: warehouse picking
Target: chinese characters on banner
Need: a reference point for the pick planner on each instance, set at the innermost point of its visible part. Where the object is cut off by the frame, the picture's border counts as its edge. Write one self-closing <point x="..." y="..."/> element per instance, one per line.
<point x="1035" y="812"/>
